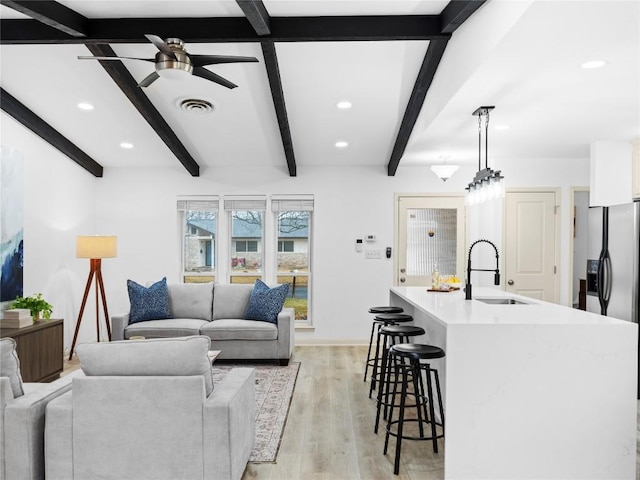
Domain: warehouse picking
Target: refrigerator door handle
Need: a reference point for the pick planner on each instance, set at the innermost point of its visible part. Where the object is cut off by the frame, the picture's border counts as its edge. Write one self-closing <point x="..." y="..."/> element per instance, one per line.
<point x="604" y="283"/>
<point x="607" y="278"/>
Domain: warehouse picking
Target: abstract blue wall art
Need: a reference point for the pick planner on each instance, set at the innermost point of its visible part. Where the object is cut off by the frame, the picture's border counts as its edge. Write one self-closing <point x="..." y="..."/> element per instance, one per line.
<point x="11" y="224"/>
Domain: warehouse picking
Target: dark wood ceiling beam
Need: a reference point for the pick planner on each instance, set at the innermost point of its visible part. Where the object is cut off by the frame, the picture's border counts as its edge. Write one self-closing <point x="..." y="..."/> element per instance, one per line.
<point x="257" y="15"/>
<point x="423" y="82"/>
<point x="233" y="29"/>
<point x="273" y="72"/>
<point x="37" y="125"/>
<point x="452" y="16"/>
<point x="52" y="14"/>
<point x="456" y="13"/>
<point x="259" y="19"/>
<point x="119" y="73"/>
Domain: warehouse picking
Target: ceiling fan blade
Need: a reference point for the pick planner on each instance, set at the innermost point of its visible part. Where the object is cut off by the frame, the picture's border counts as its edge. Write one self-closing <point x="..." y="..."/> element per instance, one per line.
<point x="149" y="79"/>
<point x="209" y="75"/>
<point x="116" y="58"/>
<point x="160" y="45"/>
<point x="201" y="60"/>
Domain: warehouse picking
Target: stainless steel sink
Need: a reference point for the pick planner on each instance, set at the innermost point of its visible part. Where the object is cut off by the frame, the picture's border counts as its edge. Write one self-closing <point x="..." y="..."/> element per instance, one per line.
<point x="501" y="301"/>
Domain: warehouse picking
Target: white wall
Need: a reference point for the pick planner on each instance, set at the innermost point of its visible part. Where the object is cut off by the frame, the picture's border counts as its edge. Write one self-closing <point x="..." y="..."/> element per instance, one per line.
<point x="58" y="205"/>
<point x="139" y="206"/>
<point x="581" y="202"/>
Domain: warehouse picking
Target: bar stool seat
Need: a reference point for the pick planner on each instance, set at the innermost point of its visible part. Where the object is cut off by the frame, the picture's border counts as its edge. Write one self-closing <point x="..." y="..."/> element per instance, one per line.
<point x="416" y="354"/>
<point x="418" y="351"/>
<point x="386" y="309"/>
<point x="391" y="318"/>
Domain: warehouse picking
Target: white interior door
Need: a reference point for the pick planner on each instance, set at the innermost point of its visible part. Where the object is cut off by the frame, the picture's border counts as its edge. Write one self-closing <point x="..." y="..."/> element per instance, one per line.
<point x="430" y="231"/>
<point x="530" y="244"/>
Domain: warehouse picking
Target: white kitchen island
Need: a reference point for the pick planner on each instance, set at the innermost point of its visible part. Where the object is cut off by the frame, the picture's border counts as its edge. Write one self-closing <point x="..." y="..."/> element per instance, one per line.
<point x="534" y="391"/>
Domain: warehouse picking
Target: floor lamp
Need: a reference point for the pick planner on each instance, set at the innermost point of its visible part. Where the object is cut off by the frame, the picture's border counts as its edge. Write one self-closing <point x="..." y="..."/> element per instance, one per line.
<point x="95" y="248"/>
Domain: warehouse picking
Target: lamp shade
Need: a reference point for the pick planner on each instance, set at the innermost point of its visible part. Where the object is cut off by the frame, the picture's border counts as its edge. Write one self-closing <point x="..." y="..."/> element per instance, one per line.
<point x="97" y="246"/>
<point x="444" y="171"/>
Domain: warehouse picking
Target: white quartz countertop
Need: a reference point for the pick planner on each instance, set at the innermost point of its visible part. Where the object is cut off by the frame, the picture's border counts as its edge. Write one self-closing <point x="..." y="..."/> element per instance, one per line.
<point x="451" y="308"/>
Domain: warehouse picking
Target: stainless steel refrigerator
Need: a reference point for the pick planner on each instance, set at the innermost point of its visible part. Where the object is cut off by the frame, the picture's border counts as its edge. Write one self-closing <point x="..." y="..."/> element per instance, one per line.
<point x="613" y="250"/>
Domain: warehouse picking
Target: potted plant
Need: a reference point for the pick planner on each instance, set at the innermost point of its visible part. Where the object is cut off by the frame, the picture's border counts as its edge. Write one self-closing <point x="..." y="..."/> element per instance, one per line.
<point x="36" y="304"/>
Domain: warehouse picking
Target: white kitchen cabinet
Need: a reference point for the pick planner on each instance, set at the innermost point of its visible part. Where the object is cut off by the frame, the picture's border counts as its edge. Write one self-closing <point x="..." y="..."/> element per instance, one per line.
<point x="610" y="174"/>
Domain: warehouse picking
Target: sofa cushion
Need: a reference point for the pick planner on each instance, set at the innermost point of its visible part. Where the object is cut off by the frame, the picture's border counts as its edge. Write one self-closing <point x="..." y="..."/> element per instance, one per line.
<point x="172" y="327"/>
<point x="237" y="329"/>
<point x="230" y="301"/>
<point x="10" y="365"/>
<point x="265" y="303"/>
<point x="185" y="356"/>
<point x="150" y="303"/>
<point x="191" y="300"/>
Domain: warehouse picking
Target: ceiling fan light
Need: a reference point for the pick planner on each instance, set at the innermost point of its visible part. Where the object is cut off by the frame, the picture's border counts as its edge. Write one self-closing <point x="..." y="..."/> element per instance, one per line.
<point x="173" y="73"/>
<point x="444" y="171"/>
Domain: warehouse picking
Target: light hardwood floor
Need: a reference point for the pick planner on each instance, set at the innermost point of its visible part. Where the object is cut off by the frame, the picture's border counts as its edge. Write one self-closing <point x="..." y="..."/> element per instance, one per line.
<point x="329" y="431"/>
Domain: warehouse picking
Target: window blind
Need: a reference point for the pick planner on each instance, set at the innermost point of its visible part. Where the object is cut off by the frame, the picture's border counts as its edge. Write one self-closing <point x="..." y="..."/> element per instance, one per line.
<point x="292" y="203"/>
<point x="208" y="204"/>
<point x="245" y="203"/>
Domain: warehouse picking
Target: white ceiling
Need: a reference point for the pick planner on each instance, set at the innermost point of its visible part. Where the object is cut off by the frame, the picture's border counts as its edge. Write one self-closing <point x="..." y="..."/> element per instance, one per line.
<point x="523" y="57"/>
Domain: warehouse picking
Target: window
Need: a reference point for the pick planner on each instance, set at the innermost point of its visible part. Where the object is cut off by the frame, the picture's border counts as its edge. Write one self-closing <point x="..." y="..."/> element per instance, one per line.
<point x="198" y="223"/>
<point x="243" y="256"/>
<point x="246" y="245"/>
<point x="293" y="231"/>
<point x="246" y="234"/>
<point x="285" y="245"/>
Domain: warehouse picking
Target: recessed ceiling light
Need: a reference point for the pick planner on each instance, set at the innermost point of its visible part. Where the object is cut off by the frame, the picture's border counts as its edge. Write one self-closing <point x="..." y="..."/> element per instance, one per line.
<point x="502" y="127"/>
<point x="594" y="64"/>
<point x="126" y="145"/>
<point x="85" y="106"/>
<point x="343" y="105"/>
<point x="342" y="144"/>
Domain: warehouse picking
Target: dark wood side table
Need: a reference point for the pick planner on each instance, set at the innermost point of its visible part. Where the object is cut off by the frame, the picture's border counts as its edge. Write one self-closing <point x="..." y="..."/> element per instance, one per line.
<point x="40" y="349"/>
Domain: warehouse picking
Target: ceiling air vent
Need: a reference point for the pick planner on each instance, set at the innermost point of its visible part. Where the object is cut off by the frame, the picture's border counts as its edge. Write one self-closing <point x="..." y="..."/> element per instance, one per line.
<point x="195" y="105"/>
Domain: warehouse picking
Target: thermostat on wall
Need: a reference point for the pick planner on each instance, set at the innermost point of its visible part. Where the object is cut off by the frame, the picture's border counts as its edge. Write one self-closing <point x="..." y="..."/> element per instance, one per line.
<point x="370" y="238"/>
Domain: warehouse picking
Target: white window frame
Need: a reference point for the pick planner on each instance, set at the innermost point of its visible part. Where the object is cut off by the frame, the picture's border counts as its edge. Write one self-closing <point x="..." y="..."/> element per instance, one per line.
<point x="294" y="203"/>
<point x="198" y="203"/>
<point x="245" y="203"/>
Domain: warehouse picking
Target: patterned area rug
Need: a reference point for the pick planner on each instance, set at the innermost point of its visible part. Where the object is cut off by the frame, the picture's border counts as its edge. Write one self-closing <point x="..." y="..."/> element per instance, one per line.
<point x="274" y="388"/>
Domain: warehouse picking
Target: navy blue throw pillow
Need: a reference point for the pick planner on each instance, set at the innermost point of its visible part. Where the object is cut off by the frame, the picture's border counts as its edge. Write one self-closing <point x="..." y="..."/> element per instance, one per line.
<point x="148" y="303"/>
<point x="265" y="303"/>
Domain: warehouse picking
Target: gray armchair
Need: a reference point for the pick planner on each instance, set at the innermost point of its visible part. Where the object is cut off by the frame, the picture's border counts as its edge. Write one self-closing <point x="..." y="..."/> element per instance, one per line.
<point x="22" y="410"/>
<point x="148" y="410"/>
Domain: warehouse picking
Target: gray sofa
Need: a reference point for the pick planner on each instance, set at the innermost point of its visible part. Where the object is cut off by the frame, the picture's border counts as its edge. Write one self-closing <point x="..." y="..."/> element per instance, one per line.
<point x="217" y="311"/>
<point x="150" y="411"/>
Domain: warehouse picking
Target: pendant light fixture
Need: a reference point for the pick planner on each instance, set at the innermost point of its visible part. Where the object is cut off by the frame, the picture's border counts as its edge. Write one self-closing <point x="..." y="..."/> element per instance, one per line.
<point x="487" y="184"/>
<point x="444" y="171"/>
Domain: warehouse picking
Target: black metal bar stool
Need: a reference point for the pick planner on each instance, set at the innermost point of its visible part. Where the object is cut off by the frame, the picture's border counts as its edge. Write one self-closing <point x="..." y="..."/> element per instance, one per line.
<point x="414" y="354"/>
<point x="389" y="336"/>
<point x="383" y="320"/>
<point x="377" y="310"/>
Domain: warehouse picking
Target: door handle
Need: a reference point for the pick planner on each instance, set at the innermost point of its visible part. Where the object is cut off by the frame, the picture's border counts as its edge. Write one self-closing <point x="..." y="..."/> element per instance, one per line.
<point x="510" y="282"/>
<point x="402" y="279"/>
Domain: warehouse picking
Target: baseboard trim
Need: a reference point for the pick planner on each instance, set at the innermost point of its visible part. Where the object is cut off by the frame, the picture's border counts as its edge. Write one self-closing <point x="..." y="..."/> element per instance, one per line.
<point x="331" y="342"/>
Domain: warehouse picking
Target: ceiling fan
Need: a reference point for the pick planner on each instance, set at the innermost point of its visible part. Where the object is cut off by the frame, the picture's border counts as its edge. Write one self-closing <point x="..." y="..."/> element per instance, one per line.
<point x="173" y="61"/>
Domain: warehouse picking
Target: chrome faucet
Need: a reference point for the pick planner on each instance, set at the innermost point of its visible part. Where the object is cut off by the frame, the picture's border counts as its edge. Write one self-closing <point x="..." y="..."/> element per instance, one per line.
<point x="496" y="281"/>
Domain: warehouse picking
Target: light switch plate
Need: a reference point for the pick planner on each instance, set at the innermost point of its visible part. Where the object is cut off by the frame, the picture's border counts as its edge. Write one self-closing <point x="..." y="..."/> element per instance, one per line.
<point x="373" y="254"/>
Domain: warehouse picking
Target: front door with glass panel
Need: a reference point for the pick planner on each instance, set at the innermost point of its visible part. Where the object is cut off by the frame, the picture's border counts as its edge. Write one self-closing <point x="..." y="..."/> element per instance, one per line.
<point x="431" y="235"/>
